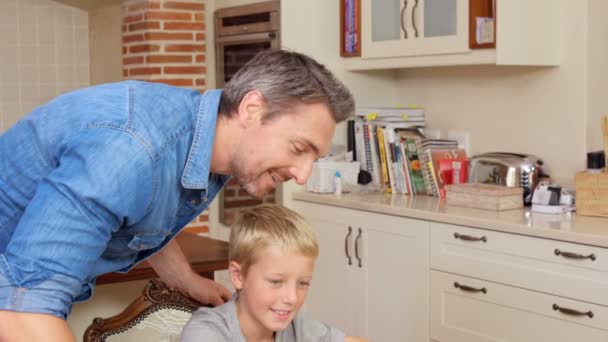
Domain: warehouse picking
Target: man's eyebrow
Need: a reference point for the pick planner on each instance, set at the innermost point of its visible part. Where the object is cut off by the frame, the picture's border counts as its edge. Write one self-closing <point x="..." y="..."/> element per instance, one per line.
<point x="314" y="147"/>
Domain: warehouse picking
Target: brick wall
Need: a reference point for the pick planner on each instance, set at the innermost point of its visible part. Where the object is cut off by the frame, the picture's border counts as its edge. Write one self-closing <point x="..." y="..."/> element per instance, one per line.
<point x="164" y="41"/>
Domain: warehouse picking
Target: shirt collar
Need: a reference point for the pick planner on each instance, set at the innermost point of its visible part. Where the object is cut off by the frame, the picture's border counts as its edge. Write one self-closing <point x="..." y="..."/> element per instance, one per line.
<point x="196" y="172"/>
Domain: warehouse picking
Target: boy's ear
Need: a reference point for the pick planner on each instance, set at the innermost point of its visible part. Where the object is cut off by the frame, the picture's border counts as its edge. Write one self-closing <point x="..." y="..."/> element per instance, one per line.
<point x="236" y="274"/>
<point x="251" y="108"/>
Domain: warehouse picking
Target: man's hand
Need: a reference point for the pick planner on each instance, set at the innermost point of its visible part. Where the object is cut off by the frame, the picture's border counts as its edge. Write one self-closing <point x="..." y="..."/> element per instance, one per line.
<point x="205" y="290"/>
<point x="174" y="270"/>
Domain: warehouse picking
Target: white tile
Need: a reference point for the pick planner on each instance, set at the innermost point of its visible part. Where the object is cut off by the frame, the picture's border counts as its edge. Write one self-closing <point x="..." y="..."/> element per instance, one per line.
<point x="48" y="74"/>
<point x="26" y="15"/>
<point x="12" y="113"/>
<point x="9" y="56"/>
<point x="30" y="93"/>
<point x="8" y="16"/>
<point x="64" y="36"/>
<point x="29" y="74"/>
<point x="65" y="55"/>
<point x="45" y="16"/>
<point x="82" y="36"/>
<point x="28" y="34"/>
<point x="46" y="55"/>
<point x="83" y="74"/>
<point x="8" y="36"/>
<point x="9" y="93"/>
<point x="46" y="35"/>
<point x="47" y="93"/>
<point x="81" y="18"/>
<point x="28" y="55"/>
<point x="65" y="75"/>
<point x="63" y="16"/>
<point x="9" y="75"/>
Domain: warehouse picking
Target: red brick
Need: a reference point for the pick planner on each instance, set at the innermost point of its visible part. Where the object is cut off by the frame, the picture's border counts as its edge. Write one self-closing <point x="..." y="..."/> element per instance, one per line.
<point x="203" y="218"/>
<point x="132" y="18"/>
<point x="133" y="60"/>
<point x="167" y="36"/>
<point x="241" y="203"/>
<point x="184" y="70"/>
<point x="168" y="16"/>
<point x="197" y="229"/>
<point x="175" y="25"/>
<point x="200" y="82"/>
<point x="124" y="50"/>
<point x="144" y="48"/>
<point x="184" y="5"/>
<point x="199" y="16"/>
<point x="125" y="72"/>
<point x="168" y="59"/>
<point x="144" y="25"/>
<point x="144" y="5"/>
<point x="132" y="38"/>
<point x="178" y="82"/>
<point x="200" y="59"/>
<point x="184" y="48"/>
<point x="200" y="36"/>
<point x="144" y="71"/>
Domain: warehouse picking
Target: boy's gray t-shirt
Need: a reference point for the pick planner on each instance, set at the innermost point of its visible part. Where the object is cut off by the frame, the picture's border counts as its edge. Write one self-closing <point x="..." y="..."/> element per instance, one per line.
<point x="221" y="324"/>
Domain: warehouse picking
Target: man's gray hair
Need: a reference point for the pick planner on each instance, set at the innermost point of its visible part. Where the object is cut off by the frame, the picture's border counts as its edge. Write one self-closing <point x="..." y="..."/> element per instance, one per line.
<point x="287" y="79"/>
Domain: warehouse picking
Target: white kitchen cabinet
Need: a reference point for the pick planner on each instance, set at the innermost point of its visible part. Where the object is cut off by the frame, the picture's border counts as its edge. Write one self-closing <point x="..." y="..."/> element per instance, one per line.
<point x="467" y="309"/>
<point x="528" y="33"/>
<point x="414" y="27"/>
<point x="382" y="294"/>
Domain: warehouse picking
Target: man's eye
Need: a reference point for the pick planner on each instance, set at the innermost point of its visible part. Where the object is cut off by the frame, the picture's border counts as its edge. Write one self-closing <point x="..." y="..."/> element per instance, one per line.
<point x="297" y="150"/>
<point x="304" y="284"/>
<point x="274" y="282"/>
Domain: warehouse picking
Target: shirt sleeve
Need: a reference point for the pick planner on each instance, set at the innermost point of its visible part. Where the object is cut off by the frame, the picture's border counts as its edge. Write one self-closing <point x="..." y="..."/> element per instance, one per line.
<point x="308" y="329"/>
<point x="206" y="325"/>
<point x="103" y="179"/>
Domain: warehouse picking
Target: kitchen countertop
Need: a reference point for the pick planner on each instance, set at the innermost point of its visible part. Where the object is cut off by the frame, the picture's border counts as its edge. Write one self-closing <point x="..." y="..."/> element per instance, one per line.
<point x="566" y="227"/>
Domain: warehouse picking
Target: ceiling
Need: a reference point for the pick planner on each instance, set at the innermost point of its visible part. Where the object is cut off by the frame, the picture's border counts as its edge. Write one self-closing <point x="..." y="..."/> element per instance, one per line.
<point x="89" y="4"/>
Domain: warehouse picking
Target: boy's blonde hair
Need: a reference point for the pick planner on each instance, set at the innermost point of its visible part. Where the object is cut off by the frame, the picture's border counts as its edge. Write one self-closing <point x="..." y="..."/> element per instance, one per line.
<point x="269" y="225"/>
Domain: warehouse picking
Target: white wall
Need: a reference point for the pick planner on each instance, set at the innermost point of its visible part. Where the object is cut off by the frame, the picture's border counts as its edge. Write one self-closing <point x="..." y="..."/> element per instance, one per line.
<point x="44" y="51"/>
<point x="597" y="89"/>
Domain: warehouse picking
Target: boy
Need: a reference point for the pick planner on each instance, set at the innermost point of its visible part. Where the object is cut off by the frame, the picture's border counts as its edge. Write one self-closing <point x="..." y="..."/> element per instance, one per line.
<point x="272" y="257"/>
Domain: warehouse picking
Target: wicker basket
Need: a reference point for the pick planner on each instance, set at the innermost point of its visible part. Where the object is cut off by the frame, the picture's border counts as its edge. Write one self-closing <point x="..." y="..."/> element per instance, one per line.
<point x="591" y="194"/>
<point x="485" y="196"/>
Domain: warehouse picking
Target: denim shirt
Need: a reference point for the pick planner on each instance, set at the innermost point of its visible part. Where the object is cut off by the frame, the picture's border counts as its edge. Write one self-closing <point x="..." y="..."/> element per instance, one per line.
<point x="96" y="181"/>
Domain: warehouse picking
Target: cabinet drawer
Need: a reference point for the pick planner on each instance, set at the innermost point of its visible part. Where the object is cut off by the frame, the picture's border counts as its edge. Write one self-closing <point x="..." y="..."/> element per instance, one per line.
<point x="508" y="314"/>
<point x="528" y="262"/>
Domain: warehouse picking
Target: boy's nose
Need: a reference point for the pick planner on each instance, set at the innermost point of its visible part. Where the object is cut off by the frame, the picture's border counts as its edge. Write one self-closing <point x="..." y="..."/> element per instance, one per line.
<point x="290" y="295"/>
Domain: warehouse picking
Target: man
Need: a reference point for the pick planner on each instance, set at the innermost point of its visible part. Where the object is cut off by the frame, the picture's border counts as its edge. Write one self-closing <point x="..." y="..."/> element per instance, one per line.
<point x="102" y="178"/>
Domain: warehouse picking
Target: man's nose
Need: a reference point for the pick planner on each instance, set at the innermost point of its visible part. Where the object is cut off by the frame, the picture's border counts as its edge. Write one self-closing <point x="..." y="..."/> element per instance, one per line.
<point x="301" y="171"/>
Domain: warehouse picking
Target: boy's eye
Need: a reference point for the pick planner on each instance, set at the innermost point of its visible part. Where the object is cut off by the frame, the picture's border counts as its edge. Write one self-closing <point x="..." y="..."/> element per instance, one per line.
<point x="274" y="281"/>
<point x="304" y="284"/>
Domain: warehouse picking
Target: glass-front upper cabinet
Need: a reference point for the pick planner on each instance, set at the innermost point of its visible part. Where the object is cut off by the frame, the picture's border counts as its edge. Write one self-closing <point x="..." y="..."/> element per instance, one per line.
<point x="393" y="28"/>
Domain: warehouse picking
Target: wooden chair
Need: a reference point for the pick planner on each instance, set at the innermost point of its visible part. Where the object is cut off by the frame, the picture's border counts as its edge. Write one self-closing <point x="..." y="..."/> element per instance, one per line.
<point x="158" y="314"/>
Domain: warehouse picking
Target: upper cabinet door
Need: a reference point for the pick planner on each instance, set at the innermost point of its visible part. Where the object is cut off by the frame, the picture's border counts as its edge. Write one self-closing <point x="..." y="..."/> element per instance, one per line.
<point x="392" y="28"/>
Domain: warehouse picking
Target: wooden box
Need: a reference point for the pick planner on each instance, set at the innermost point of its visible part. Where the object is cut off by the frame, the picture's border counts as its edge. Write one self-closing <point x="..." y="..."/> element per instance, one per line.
<point x="484" y="196"/>
<point x="591" y="193"/>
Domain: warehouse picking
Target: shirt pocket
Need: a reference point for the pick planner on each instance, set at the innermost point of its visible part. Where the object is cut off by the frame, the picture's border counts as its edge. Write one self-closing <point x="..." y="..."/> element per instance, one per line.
<point x="125" y="245"/>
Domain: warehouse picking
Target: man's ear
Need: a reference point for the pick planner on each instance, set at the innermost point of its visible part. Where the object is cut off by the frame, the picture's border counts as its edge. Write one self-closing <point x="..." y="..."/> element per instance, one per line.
<point x="236" y="274"/>
<point x="251" y="108"/>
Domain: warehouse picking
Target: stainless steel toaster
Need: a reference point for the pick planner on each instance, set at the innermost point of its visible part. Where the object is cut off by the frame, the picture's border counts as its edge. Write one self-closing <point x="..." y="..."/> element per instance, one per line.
<point x="510" y="169"/>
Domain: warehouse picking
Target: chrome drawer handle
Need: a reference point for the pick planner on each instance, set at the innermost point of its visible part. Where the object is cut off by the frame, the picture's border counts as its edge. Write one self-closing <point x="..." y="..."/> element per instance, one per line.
<point x="470" y="238"/>
<point x="469" y="288"/>
<point x="577" y="256"/>
<point x="350" y="230"/>
<point x="357" y="247"/>
<point x="572" y="312"/>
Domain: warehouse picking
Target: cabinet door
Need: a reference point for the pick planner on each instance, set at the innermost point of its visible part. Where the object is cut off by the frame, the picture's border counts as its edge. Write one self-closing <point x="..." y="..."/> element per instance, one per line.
<point x="471" y="310"/>
<point x="395" y="264"/>
<point x="333" y="298"/>
<point x="392" y="28"/>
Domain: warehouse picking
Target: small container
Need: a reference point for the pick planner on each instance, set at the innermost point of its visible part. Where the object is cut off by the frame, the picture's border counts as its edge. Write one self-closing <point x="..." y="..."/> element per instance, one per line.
<point x="485" y="196"/>
<point x="596" y="161"/>
<point x="338" y="183"/>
